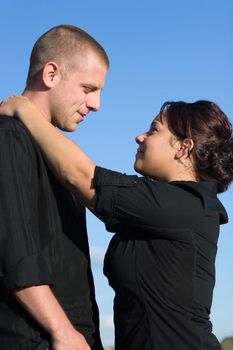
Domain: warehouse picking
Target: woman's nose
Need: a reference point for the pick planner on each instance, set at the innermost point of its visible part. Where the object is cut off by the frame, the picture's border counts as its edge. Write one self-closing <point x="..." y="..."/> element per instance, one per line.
<point x="140" y="138"/>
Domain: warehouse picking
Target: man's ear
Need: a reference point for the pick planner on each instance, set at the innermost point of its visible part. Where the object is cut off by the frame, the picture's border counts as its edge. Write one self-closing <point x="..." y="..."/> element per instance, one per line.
<point x="185" y="148"/>
<point x="50" y="74"/>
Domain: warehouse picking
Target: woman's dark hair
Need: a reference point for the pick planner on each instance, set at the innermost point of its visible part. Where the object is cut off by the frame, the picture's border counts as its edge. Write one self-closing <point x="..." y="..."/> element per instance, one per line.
<point x="211" y="131"/>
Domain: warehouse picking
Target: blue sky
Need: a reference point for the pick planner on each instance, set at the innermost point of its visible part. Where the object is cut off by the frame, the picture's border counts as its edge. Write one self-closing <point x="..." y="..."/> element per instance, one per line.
<point x="159" y="50"/>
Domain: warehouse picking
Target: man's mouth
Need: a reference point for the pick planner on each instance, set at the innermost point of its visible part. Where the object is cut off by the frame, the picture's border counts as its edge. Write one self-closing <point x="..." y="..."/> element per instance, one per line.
<point x="82" y="115"/>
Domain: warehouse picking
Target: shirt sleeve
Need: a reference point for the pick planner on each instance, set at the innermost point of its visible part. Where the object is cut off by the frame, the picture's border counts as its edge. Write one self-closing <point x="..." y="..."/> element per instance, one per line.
<point x="125" y="200"/>
<point x="22" y="264"/>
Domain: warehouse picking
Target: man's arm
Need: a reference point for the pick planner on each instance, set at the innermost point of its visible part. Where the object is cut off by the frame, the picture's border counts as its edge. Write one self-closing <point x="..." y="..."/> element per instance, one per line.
<point x="40" y="302"/>
<point x="24" y="269"/>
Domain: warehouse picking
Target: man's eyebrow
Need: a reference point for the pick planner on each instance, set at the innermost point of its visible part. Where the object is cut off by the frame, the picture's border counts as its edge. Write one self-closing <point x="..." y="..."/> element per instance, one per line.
<point x="91" y="86"/>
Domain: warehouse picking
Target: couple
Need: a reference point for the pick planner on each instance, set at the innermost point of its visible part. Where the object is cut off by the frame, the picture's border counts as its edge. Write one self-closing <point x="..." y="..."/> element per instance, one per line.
<point x="161" y="259"/>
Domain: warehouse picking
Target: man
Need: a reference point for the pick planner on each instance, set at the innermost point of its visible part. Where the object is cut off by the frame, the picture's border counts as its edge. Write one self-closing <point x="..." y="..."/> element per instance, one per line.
<point x="46" y="286"/>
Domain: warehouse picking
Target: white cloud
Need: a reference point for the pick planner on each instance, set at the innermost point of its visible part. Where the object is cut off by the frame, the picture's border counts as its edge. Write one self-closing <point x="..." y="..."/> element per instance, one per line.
<point x="106" y="321"/>
<point x="97" y="256"/>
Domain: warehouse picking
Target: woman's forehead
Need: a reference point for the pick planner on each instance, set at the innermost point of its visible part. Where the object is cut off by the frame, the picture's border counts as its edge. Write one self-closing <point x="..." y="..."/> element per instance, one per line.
<point x="160" y="117"/>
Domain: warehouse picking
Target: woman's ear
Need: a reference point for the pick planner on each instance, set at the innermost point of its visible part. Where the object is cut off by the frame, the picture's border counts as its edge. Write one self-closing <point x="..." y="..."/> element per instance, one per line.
<point x="50" y="74"/>
<point x="185" y="149"/>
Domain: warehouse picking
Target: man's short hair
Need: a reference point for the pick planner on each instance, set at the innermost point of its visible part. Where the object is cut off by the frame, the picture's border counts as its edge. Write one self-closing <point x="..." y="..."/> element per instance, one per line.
<point x="60" y="44"/>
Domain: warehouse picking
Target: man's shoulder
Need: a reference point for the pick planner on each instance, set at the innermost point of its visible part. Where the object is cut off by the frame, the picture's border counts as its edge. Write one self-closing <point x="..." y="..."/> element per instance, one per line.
<point x="12" y="129"/>
<point x="14" y="135"/>
<point x="11" y="124"/>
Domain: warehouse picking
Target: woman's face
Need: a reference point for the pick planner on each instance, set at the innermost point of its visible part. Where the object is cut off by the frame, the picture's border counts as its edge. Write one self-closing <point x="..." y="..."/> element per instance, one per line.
<point x="156" y="154"/>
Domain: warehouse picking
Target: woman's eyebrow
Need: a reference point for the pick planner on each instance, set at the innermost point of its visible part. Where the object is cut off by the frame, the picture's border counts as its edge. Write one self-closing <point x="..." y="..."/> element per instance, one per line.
<point x="155" y="123"/>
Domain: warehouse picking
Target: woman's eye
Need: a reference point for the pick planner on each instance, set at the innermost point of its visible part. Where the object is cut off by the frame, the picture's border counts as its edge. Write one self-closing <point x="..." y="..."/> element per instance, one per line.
<point x="153" y="130"/>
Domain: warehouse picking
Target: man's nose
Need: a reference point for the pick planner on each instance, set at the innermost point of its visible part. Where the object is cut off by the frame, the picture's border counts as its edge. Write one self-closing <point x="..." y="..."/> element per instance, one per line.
<point x="93" y="102"/>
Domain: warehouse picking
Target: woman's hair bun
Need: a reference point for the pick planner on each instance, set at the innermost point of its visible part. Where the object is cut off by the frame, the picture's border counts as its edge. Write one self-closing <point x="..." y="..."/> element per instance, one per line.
<point x="211" y="131"/>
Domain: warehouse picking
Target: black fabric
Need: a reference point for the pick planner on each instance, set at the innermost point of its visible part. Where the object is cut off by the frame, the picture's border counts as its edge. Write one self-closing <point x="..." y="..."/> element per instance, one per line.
<point x="161" y="261"/>
<point x="43" y="240"/>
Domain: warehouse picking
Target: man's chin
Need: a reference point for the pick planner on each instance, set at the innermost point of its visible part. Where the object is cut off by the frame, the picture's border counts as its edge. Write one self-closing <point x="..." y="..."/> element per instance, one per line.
<point x="69" y="128"/>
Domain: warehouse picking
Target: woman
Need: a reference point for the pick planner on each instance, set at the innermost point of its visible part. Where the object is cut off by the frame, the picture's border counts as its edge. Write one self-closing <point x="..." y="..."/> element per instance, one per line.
<point x="161" y="260"/>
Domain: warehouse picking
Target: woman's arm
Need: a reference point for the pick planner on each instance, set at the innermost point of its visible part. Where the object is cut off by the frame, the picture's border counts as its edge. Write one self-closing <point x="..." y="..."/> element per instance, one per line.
<point x="69" y="161"/>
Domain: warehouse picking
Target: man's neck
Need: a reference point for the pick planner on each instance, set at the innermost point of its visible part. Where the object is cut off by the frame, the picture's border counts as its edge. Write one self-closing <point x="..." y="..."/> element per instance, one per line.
<point x="38" y="99"/>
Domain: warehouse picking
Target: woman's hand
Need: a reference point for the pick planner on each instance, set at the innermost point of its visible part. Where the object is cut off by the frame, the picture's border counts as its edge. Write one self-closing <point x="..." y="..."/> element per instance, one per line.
<point x="15" y="105"/>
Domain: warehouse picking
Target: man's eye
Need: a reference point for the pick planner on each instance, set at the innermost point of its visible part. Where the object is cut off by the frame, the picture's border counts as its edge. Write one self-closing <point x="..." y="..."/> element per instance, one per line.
<point x="87" y="90"/>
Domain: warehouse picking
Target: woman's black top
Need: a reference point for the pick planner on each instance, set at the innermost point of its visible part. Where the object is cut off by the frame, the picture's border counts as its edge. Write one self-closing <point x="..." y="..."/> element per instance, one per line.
<point x="161" y="261"/>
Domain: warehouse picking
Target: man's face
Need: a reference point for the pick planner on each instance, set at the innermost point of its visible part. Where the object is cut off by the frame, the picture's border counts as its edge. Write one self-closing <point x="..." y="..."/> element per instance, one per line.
<point x="74" y="96"/>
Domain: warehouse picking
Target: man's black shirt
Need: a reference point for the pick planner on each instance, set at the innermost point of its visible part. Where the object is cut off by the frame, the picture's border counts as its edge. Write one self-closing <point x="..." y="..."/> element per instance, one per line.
<point x="43" y="241"/>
